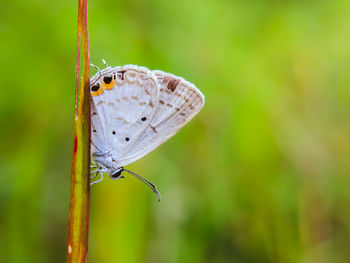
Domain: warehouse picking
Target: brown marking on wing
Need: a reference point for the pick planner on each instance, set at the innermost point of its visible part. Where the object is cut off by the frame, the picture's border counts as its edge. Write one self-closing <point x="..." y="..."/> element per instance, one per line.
<point x="169" y="105"/>
<point x="122" y="119"/>
<point x="100" y="102"/>
<point x="110" y="103"/>
<point x="132" y="73"/>
<point x="165" y="90"/>
<point x="117" y="99"/>
<point x="177" y="109"/>
<point x="135" y="98"/>
<point x="177" y="94"/>
<point x="182" y="114"/>
<point x="153" y="129"/>
<point x="161" y="102"/>
<point x="151" y="103"/>
<point x="146" y="91"/>
<point x="141" y="78"/>
<point x="120" y="74"/>
<point x="199" y="96"/>
<point x="130" y="76"/>
<point x="142" y="103"/>
<point x="125" y="98"/>
<point x="171" y="82"/>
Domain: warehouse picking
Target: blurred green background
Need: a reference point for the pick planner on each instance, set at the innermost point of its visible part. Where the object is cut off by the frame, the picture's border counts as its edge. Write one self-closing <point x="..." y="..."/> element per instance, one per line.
<point x="262" y="174"/>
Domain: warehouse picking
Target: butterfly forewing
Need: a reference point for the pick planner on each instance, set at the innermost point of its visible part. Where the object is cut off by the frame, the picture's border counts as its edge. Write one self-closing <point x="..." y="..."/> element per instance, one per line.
<point x="123" y="109"/>
<point x="179" y="101"/>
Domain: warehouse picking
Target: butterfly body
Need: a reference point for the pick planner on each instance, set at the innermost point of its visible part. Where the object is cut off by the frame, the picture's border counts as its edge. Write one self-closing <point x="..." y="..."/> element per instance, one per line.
<point x="134" y="110"/>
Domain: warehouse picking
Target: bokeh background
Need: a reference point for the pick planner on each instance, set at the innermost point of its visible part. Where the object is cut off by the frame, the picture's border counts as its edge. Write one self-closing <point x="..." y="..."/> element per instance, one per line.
<point x="262" y="174"/>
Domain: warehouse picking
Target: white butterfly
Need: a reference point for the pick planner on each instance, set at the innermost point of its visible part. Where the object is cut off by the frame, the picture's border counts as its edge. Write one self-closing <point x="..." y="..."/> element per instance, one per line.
<point x="133" y="111"/>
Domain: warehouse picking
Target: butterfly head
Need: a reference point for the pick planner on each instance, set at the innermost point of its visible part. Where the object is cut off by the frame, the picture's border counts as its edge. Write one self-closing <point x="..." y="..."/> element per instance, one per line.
<point x="115" y="175"/>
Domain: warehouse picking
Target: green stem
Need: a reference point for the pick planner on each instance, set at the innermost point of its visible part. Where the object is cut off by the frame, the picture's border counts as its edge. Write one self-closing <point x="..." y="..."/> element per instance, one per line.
<point x="78" y="229"/>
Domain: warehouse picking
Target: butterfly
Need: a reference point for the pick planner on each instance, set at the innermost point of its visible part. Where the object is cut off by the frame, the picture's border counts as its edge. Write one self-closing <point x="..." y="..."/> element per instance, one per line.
<point x="133" y="111"/>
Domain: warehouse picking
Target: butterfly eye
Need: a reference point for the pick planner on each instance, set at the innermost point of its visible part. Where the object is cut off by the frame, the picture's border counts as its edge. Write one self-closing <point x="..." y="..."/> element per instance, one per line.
<point x="108" y="81"/>
<point x="117" y="174"/>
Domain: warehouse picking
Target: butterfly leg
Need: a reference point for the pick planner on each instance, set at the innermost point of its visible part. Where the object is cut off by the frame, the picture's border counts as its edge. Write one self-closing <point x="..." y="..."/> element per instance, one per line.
<point x="96" y="170"/>
<point x="93" y="169"/>
<point x="94" y="174"/>
<point x="99" y="180"/>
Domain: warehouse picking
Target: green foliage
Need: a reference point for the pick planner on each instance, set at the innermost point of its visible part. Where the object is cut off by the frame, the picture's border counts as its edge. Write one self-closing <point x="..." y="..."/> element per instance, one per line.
<point x="260" y="175"/>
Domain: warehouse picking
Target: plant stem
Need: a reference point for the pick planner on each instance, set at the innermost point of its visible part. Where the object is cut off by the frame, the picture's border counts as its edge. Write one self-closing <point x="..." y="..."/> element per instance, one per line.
<point x="78" y="229"/>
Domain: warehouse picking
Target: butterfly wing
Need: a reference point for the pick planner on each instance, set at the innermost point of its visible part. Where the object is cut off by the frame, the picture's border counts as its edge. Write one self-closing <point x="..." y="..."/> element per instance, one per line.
<point x="122" y="107"/>
<point x="179" y="101"/>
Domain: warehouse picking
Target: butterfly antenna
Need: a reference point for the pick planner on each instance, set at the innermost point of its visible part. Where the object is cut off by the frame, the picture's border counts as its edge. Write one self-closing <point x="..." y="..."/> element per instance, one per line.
<point x="150" y="185"/>
<point x="104" y="63"/>
<point x="96" y="67"/>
